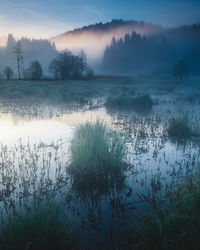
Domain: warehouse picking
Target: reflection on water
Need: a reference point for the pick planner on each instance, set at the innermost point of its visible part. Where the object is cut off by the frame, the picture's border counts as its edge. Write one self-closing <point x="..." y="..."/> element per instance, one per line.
<point x="35" y="154"/>
<point x="34" y="131"/>
<point x="14" y="127"/>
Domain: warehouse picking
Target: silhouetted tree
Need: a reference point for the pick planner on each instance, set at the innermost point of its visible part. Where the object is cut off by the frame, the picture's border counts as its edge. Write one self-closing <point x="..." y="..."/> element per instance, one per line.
<point x="41" y="49"/>
<point x="181" y="70"/>
<point x="35" y="71"/>
<point x="54" y="68"/>
<point x="67" y="66"/>
<point x="89" y="73"/>
<point x="11" y="43"/>
<point x="1" y="75"/>
<point x="136" y="53"/>
<point x="8" y="73"/>
<point x="81" y="61"/>
<point x="18" y="51"/>
<point x="113" y="44"/>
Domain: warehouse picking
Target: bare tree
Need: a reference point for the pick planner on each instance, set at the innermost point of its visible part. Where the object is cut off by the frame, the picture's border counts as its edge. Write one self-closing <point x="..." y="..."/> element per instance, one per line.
<point x="8" y="73"/>
<point x="67" y="66"/>
<point x="35" y="70"/>
<point x="18" y="51"/>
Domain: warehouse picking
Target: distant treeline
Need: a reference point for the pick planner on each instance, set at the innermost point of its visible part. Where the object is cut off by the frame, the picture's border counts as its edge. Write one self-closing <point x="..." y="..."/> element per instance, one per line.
<point x="33" y="49"/>
<point x="149" y="49"/>
<point x="117" y="24"/>
<point x="34" y="59"/>
<point x="67" y="66"/>
<point x="135" y="53"/>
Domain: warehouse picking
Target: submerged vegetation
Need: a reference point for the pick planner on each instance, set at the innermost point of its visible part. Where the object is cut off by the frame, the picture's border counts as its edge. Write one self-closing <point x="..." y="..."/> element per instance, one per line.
<point x="98" y="158"/>
<point x="42" y="227"/>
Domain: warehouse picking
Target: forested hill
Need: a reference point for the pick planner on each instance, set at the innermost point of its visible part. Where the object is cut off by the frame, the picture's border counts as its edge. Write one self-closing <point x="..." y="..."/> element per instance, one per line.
<point x="137" y="47"/>
<point x="93" y="39"/>
<point x="140" y="27"/>
<point x="138" y="54"/>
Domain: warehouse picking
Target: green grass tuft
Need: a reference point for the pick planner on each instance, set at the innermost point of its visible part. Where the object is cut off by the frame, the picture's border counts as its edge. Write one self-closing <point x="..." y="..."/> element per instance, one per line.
<point x="97" y="157"/>
<point x="180" y="128"/>
<point x="137" y="103"/>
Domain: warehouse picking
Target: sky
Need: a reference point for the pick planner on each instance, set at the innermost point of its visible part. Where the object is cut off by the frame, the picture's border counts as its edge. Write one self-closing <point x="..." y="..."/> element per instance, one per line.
<point x="48" y="18"/>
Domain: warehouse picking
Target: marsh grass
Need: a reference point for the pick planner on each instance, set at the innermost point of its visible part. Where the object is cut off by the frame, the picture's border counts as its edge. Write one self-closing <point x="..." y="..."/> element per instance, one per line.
<point x="178" y="226"/>
<point x="141" y="103"/>
<point x="181" y="128"/>
<point x="97" y="158"/>
<point x="42" y="227"/>
<point x="193" y="98"/>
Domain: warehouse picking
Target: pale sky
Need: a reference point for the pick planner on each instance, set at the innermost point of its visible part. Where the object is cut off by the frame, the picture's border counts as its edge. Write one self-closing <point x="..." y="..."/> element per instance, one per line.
<point x="47" y="18"/>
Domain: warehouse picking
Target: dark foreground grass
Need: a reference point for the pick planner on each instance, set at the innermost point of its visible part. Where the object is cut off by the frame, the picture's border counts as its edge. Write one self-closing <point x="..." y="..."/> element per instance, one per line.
<point x="178" y="226"/>
<point x="180" y="128"/>
<point x="41" y="228"/>
<point x="141" y="103"/>
<point x="97" y="158"/>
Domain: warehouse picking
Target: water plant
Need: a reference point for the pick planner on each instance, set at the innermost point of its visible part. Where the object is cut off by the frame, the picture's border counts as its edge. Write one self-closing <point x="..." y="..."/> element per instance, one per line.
<point x="97" y="157"/>
<point x="140" y="103"/>
<point x="180" y="128"/>
<point x="42" y="227"/>
<point x="177" y="226"/>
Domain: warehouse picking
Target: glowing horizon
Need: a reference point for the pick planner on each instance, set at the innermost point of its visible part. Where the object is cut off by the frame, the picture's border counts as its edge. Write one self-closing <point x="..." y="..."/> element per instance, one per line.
<point x="47" y="18"/>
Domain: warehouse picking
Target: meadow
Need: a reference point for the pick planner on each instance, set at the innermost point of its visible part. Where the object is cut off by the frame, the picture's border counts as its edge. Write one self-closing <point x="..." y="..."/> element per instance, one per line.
<point x="109" y="163"/>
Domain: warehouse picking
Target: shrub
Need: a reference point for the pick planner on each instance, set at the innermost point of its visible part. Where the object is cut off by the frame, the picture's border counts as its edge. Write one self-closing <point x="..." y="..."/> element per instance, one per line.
<point x="181" y="70"/>
<point x="97" y="157"/>
<point x="179" y="128"/>
<point x="41" y="228"/>
<point x="142" y="102"/>
<point x="193" y="98"/>
<point x="137" y="103"/>
<point x="8" y="72"/>
<point x="34" y="71"/>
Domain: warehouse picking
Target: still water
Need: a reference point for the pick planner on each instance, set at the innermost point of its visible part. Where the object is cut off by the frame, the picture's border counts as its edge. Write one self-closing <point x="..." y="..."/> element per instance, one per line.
<point x="35" y="153"/>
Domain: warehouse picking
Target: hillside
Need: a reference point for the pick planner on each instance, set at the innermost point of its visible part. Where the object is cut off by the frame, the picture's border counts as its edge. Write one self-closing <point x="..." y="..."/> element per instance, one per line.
<point x="93" y="39"/>
<point x="139" y="54"/>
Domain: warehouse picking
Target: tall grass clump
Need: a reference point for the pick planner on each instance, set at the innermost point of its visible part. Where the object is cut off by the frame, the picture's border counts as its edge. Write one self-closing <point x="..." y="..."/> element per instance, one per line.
<point x="193" y="98"/>
<point x="97" y="157"/>
<point x="178" y="226"/>
<point x="180" y="128"/>
<point x="124" y="101"/>
<point x="40" y="228"/>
